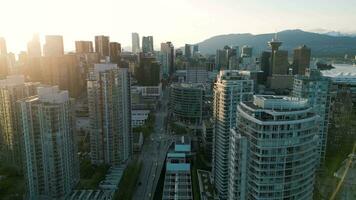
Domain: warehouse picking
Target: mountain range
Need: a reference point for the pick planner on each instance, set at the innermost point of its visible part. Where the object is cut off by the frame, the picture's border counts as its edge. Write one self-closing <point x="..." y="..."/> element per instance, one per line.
<point x="320" y="44"/>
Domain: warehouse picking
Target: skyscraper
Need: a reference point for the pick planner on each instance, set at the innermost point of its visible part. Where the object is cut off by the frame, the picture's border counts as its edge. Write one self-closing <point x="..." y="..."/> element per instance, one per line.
<point x="167" y="50"/>
<point x="53" y="46"/>
<point x="83" y="46"/>
<point x="265" y="64"/>
<point x="135" y="43"/>
<point x="280" y="64"/>
<point x="34" y="47"/>
<point x="301" y="59"/>
<point x="273" y="149"/>
<point x="12" y="88"/>
<point x="102" y="45"/>
<point x="195" y="49"/>
<point x="115" y="51"/>
<point x="147" y="44"/>
<point x="110" y="114"/>
<point x="51" y="164"/>
<point x="221" y="59"/>
<point x="188" y="51"/>
<point x="3" y="49"/>
<point x="317" y="89"/>
<point x="230" y="88"/>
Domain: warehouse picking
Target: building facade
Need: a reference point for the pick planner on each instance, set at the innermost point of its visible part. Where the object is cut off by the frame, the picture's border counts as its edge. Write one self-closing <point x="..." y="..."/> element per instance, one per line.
<point x="84" y="47"/>
<point x="135" y="43"/>
<point x="273" y="149"/>
<point x="110" y="114"/>
<point x="12" y="89"/>
<point x="147" y="44"/>
<point x="102" y="45"/>
<point x="53" y="46"/>
<point x="51" y="164"/>
<point x="317" y="89"/>
<point x="230" y="88"/>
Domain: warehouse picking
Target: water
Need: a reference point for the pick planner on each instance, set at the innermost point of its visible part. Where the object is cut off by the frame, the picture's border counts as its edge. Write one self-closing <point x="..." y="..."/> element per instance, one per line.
<point x="340" y="69"/>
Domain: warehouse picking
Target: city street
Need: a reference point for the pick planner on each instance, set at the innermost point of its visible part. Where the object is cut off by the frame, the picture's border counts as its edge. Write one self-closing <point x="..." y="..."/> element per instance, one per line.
<point x="153" y="154"/>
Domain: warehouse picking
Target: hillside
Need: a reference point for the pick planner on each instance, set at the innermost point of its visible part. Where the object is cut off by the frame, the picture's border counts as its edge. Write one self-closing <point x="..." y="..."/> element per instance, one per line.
<point x="321" y="44"/>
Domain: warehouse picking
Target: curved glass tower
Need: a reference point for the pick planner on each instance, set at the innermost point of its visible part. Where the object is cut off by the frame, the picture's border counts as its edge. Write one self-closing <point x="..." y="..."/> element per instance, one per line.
<point x="273" y="149"/>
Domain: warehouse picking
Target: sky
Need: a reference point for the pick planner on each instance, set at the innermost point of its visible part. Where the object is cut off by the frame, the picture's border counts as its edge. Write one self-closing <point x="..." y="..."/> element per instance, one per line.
<point x="179" y="21"/>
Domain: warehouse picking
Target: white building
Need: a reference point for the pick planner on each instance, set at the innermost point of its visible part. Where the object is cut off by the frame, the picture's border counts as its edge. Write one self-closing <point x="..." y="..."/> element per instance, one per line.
<point x="230" y="88"/>
<point x="273" y="149"/>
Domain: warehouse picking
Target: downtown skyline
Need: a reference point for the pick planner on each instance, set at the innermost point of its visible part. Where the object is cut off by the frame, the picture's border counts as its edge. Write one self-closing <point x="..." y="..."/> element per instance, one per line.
<point x="201" y="20"/>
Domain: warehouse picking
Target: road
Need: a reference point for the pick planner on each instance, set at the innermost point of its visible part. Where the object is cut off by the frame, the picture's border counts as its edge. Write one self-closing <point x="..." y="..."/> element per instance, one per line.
<point x="153" y="154"/>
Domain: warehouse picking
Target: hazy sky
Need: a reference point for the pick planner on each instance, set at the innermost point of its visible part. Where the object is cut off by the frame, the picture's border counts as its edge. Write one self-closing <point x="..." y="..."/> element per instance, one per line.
<point x="179" y="21"/>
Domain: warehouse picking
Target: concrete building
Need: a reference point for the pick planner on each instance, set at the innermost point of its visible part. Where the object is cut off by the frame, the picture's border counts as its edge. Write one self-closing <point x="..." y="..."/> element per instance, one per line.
<point x="186" y="101"/>
<point x="230" y="88"/>
<point x="135" y="43"/>
<point x="196" y="75"/>
<point x="178" y="181"/>
<point x="12" y="89"/>
<point x="147" y="44"/>
<point x="84" y="47"/>
<point x="139" y="117"/>
<point x="208" y="138"/>
<point x="273" y="149"/>
<point x="51" y="164"/>
<point x="109" y="104"/>
<point x="246" y="51"/>
<point x="102" y="45"/>
<point x="53" y="46"/>
<point x="34" y="47"/>
<point x="317" y="89"/>
<point x="301" y="59"/>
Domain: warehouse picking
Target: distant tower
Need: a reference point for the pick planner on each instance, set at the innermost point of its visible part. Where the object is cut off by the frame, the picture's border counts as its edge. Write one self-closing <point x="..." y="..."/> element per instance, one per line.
<point x="102" y="45"/>
<point x="274" y="44"/>
<point x="147" y="44"/>
<point x="83" y="46"/>
<point x="34" y="47"/>
<point x="53" y="46"/>
<point x="3" y="49"/>
<point x="135" y="43"/>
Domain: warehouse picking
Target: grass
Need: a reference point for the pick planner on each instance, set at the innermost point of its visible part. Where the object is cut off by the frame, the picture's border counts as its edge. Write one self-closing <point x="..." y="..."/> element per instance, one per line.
<point x="129" y="180"/>
<point x="91" y="175"/>
<point x="12" y="185"/>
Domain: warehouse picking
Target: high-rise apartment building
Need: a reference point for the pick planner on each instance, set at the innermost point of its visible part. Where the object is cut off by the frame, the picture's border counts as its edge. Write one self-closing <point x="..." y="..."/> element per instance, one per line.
<point x="317" y="89"/>
<point x="12" y="89"/>
<point x="273" y="149"/>
<point x="50" y="159"/>
<point x="147" y="44"/>
<point x="102" y="46"/>
<point x="167" y="51"/>
<point x="110" y="114"/>
<point x="135" y="43"/>
<point x="230" y="88"/>
<point x="84" y="46"/>
<point x="34" y="47"/>
<point x="301" y="59"/>
<point x="3" y="48"/>
<point x="53" y="46"/>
